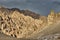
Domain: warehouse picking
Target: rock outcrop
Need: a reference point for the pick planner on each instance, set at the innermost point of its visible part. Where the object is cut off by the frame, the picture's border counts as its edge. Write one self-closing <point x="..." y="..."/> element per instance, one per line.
<point x="23" y="23"/>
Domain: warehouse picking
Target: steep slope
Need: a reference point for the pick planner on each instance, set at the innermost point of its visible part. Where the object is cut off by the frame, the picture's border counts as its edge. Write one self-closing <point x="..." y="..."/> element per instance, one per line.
<point x="53" y="26"/>
<point x="24" y="23"/>
<point x="17" y="24"/>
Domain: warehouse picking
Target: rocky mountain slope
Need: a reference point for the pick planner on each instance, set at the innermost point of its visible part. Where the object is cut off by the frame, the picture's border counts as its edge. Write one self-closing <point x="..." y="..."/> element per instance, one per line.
<point x="24" y="23"/>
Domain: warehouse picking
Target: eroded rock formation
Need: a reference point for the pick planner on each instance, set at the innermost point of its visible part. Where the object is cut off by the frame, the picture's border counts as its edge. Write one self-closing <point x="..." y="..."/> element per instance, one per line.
<point x="22" y="24"/>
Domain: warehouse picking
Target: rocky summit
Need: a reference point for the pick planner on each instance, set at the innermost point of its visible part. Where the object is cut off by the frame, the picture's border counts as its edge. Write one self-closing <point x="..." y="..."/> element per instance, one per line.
<point x="24" y="23"/>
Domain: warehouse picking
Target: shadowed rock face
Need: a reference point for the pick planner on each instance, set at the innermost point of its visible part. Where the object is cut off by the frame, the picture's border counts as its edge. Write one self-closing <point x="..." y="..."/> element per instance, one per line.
<point x="29" y="13"/>
<point x="25" y="12"/>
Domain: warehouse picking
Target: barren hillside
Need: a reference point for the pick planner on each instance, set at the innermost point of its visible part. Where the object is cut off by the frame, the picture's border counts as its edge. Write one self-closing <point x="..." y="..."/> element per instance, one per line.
<point x="26" y="24"/>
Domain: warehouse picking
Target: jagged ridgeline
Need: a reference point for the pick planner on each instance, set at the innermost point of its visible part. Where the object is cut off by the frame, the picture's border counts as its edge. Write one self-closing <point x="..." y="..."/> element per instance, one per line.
<point x="24" y="23"/>
<point x="25" y="12"/>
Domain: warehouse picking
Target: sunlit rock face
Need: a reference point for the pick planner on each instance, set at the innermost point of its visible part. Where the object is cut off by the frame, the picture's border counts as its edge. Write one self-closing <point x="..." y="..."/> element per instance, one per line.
<point x="22" y="24"/>
<point x="15" y="23"/>
<point x="51" y="17"/>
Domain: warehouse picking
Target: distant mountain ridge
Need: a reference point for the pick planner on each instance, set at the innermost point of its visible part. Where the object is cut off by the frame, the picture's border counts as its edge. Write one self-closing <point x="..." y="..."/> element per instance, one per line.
<point x="25" y="12"/>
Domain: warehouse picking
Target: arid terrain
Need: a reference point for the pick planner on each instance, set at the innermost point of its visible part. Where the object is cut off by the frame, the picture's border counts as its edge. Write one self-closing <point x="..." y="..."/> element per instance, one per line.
<point x="18" y="24"/>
